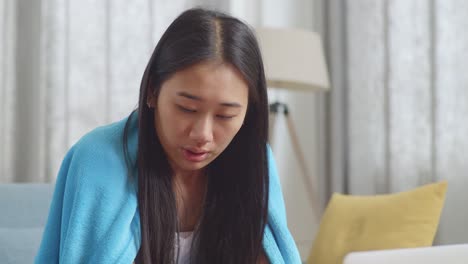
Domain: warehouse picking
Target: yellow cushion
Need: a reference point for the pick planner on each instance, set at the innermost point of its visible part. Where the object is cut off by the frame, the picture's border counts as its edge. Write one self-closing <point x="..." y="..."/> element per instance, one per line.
<point x="359" y="223"/>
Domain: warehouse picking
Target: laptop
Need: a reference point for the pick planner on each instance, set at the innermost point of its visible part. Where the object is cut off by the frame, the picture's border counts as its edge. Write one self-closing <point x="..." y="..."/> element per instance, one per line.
<point x="448" y="254"/>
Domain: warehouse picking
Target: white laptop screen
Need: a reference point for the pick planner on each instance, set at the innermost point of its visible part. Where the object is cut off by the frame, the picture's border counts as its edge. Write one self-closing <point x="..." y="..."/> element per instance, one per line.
<point x="450" y="254"/>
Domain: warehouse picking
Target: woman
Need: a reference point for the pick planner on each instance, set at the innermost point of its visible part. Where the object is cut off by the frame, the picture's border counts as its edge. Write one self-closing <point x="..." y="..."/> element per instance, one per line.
<point x="188" y="177"/>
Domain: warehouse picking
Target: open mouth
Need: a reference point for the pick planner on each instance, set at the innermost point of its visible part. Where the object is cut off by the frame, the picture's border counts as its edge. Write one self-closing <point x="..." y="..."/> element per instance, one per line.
<point x="194" y="156"/>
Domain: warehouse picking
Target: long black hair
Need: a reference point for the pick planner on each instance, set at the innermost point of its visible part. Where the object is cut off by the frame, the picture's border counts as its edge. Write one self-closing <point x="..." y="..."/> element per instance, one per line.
<point x="236" y="204"/>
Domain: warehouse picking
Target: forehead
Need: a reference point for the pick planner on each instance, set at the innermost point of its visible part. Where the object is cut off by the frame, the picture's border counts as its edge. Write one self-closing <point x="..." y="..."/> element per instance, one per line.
<point x="210" y="80"/>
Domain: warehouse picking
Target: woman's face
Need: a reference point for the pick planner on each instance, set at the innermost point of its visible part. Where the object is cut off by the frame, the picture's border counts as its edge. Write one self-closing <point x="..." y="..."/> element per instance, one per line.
<point x="198" y="112"/>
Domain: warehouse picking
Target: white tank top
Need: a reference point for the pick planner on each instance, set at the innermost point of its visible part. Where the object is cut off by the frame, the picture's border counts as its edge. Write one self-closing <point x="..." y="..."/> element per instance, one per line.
<point x="185" y="243"/>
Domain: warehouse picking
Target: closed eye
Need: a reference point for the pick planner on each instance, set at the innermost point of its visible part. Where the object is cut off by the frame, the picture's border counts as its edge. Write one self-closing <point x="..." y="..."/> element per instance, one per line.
<point x="224" y="117"/>
<point x="186" y="110"/>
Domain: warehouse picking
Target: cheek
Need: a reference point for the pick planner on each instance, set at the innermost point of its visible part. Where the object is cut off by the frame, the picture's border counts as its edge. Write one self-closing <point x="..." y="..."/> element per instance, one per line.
<point x="228" y="132"/>
<point x="174" y="127"/>
<point x="169" y="124"/>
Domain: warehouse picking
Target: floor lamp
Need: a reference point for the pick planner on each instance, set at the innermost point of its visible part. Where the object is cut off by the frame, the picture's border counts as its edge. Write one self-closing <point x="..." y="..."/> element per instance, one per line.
<point x="294" y="60"/>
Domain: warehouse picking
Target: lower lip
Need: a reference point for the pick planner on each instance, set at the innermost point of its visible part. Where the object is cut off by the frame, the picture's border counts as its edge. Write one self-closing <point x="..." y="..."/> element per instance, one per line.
<point x="190" y="156"/>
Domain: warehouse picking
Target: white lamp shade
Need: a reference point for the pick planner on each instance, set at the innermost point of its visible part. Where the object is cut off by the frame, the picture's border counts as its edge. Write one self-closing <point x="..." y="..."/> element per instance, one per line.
<point x="293" y="59"/>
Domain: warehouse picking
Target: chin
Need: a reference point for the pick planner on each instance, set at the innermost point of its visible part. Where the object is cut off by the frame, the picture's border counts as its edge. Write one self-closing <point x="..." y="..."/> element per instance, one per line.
<point x="192" y="166"/>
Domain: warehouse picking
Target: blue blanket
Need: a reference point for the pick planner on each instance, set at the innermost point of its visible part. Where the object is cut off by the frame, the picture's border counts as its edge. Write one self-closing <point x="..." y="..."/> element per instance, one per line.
<point x="94" y="217"/>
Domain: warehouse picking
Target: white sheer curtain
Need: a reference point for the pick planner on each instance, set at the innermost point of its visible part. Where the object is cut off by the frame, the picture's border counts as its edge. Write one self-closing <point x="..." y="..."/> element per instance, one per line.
<point x="399" y="100"/>
<point x="7" y="88"/>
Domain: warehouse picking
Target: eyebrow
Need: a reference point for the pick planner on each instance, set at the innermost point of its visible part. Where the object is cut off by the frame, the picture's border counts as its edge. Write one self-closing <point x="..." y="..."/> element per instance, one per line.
<point x="197" y="98"/>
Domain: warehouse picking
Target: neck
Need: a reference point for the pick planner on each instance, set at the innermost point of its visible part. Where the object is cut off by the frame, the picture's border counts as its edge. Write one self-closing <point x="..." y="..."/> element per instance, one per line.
<point x="189" y="189"/>
<point x="189" y="179"/>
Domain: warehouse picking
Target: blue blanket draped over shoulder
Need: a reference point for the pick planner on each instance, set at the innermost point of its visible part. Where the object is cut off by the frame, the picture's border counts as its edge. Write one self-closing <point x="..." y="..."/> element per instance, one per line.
<point x="94" y="218"/>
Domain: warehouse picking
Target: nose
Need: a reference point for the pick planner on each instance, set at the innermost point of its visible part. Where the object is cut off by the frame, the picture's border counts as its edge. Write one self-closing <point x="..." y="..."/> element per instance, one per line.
<point x="202" y="131"/>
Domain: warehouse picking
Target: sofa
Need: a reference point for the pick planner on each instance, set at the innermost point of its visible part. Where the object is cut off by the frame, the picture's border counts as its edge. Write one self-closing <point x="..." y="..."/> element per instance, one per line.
<point x="24" y="210"/>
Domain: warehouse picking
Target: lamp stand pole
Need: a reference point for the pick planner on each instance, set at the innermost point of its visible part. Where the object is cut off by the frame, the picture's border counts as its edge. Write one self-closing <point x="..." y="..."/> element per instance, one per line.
<point x="279" y="107"/>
